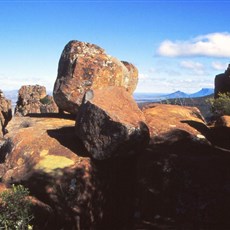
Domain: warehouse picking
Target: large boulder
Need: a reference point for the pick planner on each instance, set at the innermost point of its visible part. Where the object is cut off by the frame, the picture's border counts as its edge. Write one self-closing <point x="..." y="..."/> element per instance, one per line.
<point x="40" y="153"/>
<point x="44" y="155"/>
<point x="34" y="99"/>
<point x="182" y="176"/>
<point x="173" y="123"/>
<point x="5" y="113"/>
<point x="222" y="82"/>
<point x="109" y="123"/>
<point x="220" y="132"/>
<point x="85" y="66"/>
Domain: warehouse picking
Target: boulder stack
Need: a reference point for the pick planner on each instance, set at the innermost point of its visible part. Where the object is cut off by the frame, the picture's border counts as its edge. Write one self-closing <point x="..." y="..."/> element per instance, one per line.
<point x="85" y="66"/>
<point x="33" y="99"/>
<point x="110" y="123"/>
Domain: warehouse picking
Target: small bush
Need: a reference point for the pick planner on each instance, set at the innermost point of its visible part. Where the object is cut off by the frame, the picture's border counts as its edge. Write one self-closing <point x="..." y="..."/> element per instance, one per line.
<point x="15" y="212"/>
<point x="221" y="105"/>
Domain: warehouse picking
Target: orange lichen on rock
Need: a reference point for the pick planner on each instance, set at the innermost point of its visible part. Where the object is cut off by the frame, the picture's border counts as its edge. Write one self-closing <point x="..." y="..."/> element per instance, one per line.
<point x="85" y="66"/>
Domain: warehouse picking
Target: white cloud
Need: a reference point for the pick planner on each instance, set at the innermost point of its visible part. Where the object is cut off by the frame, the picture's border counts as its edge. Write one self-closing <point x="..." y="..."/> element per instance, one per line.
<point x="196" y="67"/>
<point x="209" y="45"/>
<point x="219" y="65"/>
<point x="143" y="76"/>
<point x="162" y="82"/>
<point x="12" y="83"/>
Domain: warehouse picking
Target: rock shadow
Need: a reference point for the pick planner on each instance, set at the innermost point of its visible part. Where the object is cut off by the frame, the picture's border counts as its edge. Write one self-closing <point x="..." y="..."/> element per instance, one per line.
<point x="66" y="137"/>
<point x="200" y="127"/>
<point x="52" y="115"/>
<point x="219" y="136"/>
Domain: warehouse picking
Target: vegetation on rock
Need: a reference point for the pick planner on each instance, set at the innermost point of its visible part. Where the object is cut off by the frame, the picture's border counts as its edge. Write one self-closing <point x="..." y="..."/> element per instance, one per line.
<point x="221" y="105"/>
<point x="15" y="212"/>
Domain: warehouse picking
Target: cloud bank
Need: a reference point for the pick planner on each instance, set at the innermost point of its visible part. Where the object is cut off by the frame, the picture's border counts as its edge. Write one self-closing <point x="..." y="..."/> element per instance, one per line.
<point x="209" y="45"/>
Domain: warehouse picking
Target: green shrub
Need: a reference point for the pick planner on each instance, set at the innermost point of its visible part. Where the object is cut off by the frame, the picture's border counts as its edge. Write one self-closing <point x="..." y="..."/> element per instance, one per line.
<point x="221" y="105"/>
<point x="15" y="209"/>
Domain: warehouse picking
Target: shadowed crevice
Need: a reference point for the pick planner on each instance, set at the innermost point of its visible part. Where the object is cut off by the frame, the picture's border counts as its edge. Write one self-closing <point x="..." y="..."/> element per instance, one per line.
<point x="66" y="137"/>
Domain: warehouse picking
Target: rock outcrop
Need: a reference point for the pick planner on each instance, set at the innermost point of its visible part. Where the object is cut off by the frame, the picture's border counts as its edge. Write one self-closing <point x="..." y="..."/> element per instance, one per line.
<point x="181" y="174"/>
<point x="172" y="123"/>
<point x="179" y="181"/>
<point x="223" y="121"/>
<point x="109" y="123"/>
<point x="5" y="113"/>
<point x="71" y="191"/>
<point x="222" y="83"/>
<point x="39" y="155"/>
<point x="85" y="66"/>
<point x="33" y="99"/>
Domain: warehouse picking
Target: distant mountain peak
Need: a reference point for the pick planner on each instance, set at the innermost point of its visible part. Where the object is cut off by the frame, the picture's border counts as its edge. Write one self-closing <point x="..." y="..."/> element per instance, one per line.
<point x="177" y="94"/>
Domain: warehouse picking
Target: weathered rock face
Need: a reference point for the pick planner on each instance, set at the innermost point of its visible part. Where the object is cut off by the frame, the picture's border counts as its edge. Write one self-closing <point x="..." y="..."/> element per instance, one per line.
<point x="71" y="191"/>
<point x="33" y="99"/>
<point x="109" y="123"/>
<point x="171" y="123"/>
<point x="220" y="132"/>
<point x="85" y="66"/>
<point x="181" y="174"/>
<point x="37" y="157"/>
<point x="177" y="183"/>
<point x="5" y="113"/>
<point x="222" y="83"/>
<point x="223" y="121"/>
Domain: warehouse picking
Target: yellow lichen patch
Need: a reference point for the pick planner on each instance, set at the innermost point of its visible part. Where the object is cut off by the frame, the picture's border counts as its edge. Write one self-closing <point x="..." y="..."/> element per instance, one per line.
<point x="51" y="162"/>
<point x="20" y="162"/>
<point x="44" y="152"/>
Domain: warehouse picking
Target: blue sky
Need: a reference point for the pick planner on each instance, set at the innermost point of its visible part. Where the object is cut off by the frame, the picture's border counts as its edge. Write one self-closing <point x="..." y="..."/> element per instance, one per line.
<point x="176" y="45"/>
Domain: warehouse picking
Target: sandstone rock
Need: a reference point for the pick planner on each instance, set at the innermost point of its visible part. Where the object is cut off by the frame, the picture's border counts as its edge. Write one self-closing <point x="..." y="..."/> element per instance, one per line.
<point x="177" y="184"/>
<point x="223" y="121"/>
<point x="44" y="155"/>
<point x="84" y="66"/>
<point x="182" y="173"/>
<point x="33" y="99"/>
<point x="222" y="83"/>
<point x="109" y="123"/>
<point x="220" y="132"/>
<point x="5" y="113"/>
<point x="171" y="123"/>
<point x="181" y="185"/>
<point x="41" y="156"/>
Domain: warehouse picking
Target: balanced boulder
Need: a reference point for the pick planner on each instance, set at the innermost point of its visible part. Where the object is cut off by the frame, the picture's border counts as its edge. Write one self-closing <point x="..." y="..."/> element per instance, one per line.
<point x="33" y="99"/>
<point x="109" y="123"/>
<point x="85" y="66"/>
<point x="5" y="113"/>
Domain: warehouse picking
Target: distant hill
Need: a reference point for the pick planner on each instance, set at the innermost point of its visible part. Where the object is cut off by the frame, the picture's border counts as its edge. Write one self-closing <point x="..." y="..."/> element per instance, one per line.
<point x="177" y="94"/>
<point x="203" y="92"/>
